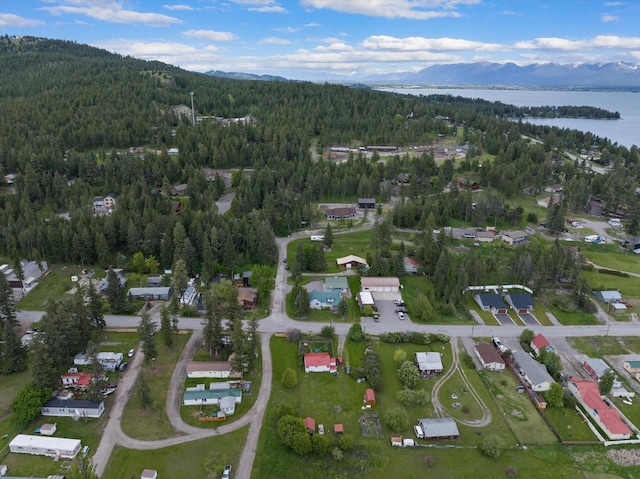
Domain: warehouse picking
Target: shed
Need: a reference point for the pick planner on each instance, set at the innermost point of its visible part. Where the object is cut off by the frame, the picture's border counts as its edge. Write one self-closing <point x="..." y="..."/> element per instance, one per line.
<point x="367" y="203"/>
<point x="608" y="296"/>
<point x="338" y="429"/>
<point x="48" y="429"/>
<point x="309" y="424"/>
<point x="429" y="362"/>
<point x="351" y="261"/>
<point x="370" y="397"/>
<point x="149" y="474"/>
<point x="379" y="284"/>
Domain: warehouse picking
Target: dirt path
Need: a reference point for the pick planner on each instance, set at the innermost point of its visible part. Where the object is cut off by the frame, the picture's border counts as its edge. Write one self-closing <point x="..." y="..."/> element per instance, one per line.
<point x="441" y="410"/>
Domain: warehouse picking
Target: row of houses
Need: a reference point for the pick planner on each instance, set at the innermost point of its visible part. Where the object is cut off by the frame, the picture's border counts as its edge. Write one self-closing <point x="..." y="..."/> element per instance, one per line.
<point x="28" y="277"/>
<point x="521" y="303"/>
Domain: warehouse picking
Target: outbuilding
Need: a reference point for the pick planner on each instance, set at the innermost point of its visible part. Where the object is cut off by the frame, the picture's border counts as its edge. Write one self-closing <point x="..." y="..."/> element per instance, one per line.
<point x="149" y="474"/>
<point x="369" y="397"/>
<point x="439" y="428"/>
<point x="376" y="284"/>
<point x="429" y="363"/>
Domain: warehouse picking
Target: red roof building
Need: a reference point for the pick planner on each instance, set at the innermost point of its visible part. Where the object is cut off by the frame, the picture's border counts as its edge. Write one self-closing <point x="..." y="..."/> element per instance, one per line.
<point x="539" y="342"/>
<point x="310" y="424"/>
<point x="607" y="417"/>
<point x="319" y="363"/>
<point x="77" y="380"/>
<point x="338" y="429"/>
<point x="370" y="397"/>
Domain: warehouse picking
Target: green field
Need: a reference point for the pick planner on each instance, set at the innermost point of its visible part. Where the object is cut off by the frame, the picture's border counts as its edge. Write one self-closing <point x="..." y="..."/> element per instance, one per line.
<point x="598" y="346"/>
<point x="628" y="287"/>
<point x="618" y="260"/>
<point x="53" y="286"/>
<point x="153" y="424"/>
<point x="183" y="460"/>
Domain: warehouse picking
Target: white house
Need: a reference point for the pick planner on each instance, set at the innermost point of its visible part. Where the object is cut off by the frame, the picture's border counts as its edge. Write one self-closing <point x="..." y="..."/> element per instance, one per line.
<point x="429" y="363"/>
<point x="109" y="361"/>
<point x="208" y="369"/>
<point x="539" y="342"/>
<point x="72" y="408"/>
<point x="199" y="396"/>
<point x="319" y="363"/>
<point x="56" y="447"/>
<point x="489" y="357"/>
<point x="375" y="284"/>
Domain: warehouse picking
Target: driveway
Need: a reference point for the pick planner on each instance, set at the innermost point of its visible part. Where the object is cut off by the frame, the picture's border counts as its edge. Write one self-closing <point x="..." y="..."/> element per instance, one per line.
<point x="504" y="319"/>
<point x="529" y="319"/>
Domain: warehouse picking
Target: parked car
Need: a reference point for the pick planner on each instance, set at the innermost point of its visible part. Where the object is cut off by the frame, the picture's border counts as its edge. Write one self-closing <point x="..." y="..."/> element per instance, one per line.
<point x="226" y="474"/>
<point x="401" y="315"/>
<point x="123" y="366"/>
<point x="399" y="302"/>
<point x="131" y="353"/>
<point x="85" y="450"/>
<point x="376" y="318"/>
<point x="401" y="310"/>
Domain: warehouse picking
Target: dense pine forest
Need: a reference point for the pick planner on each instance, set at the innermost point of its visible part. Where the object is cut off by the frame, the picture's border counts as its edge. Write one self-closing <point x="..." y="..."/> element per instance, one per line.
<point x="71" y="115"/>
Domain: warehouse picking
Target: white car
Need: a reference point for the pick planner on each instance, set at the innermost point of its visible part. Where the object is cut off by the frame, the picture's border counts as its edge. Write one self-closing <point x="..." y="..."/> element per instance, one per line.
<point x="401" y="315"/>
<point x="226" y="474"/>
<point x="131" y="353"/>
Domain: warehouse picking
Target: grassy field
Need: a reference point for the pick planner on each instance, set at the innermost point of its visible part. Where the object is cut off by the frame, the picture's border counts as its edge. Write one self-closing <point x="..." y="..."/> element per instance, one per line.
<point x="569" y="424"/>
<point x="597" y="346"/>
<point x="184" y="460"/>
<point x="154" y="424"/>
<point x="618" y="260"/>
<point x="571" y="318"/>
<point x="190" y="414"/>
<point x="53" y="286"/>
<point x="629" y="287"/>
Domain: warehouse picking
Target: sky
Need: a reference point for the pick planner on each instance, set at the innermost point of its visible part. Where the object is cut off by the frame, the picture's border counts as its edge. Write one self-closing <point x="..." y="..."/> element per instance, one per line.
<point x="316" y="39"/>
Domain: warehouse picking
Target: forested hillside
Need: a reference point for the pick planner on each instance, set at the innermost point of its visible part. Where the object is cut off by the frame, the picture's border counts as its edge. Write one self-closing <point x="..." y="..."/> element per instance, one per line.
<point x="71" y="112"/>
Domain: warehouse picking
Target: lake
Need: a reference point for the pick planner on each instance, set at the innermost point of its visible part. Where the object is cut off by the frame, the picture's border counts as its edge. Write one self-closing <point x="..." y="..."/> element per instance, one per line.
<point x="625" y="131"/>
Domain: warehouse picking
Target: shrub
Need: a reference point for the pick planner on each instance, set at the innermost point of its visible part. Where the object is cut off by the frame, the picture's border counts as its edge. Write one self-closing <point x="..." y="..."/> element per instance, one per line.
<point x="290" y="378"/>
<point x="355" y="333"/>
<point x="293" y="334"/>
<point x="409" y="374"/>
<point x="337" y="454"/>
<point x="396" y="419"/>
<point x="405" y="396"/>
<point x="327" y="332"/>
<point x="319" y="445"/>
<point x="613" y="272"/>
<point x="345" y="442"/>
<point x="511" y="472"/>
<point x="490" y="446"/>
<point x="468" y="361"/>
<point x="428" y="460"/>
<point x="285" y="409"/>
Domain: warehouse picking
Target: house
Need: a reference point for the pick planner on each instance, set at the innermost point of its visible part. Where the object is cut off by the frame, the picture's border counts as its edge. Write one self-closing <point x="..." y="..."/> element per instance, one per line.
<point x="515" y="238"/>
<point x="199" y="396"/>
<point x="72" y="408"/>
<point x="208" y="369"/>
<point x="489" y="357"/>
<point x="608" y="297"/>
<point x="539" y="342"/>
<point x="98" y="202"/>
<point x="366" y="203"/>
<point x="10" y="180"/>
<point x="491" y="302"/>
<point x="173" y="151"/>
<point x="227" y="405"/>
<point x="410" y="265"/>
<point x="338" y="429"/>
<point x="365" y="298"/>
<point x="596" y="367"/>
<point x="109" y="361"/>
<point x="595" y="206"/>
<point x="557" y="188"/>
<point x="369" y="397"/>
<point x="153" y="281"/>
<point x="351" y="261"/>
<point x="324" y="299"/>
<point x="153" y="293"/>
<point x="534" y="373"/>
<point x="485" y="236"/>
<point x="309" y="424"/>
<point x="429" y="363"/>
<point x="149" y="474"/>
<point x="76" y="380"/>
<point x="110" y="201"/>
<point x="190" y="296"/>
<point x="104" y="284"/>
<point x="467" y="184"/>
<point x="337" y="283"/>
<point x="632" y="242"/>
<point x="56" y="447"/>
<point x="376" y="284"/>
<point x="605" y="416"/>
<point x="247" y="298"/>
<point x="633" y="367"/>
<point x="319" y="363"/>
<point x="521" y="303"/>
<point x="27" y="337"/>
<point x="341" y="213"/>
<point x="439" y="428"/>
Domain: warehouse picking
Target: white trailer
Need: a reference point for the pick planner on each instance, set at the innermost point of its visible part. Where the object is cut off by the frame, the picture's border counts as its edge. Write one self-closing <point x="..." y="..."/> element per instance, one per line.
<point x="317" y="238"/>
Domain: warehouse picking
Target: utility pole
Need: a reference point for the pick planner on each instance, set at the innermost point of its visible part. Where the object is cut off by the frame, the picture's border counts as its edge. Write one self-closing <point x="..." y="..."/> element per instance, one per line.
<point x="193" y="112"/>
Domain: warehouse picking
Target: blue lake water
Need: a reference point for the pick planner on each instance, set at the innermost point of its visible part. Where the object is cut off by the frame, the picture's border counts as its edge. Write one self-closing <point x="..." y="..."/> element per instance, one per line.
<point x="625" y="131"/>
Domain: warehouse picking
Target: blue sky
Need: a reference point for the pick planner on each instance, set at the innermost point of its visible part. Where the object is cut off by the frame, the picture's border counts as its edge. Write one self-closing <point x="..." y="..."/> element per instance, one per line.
<point x="308" y="39"/>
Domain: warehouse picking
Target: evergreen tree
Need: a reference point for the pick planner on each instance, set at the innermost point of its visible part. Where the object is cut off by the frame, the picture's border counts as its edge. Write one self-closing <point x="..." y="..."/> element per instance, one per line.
<point x="147" y="333"/>
<point x="95" y="307"/>
<point x="116" y="294"/>
<point x="143" y="391"/>
<point x="239" y="361"/>
<point x="328" y="236"/>
<point x="7" y="303"/>
<point x="165" y="326"/>
<point x="180" y="277"/>
<point x="12" y="354"/>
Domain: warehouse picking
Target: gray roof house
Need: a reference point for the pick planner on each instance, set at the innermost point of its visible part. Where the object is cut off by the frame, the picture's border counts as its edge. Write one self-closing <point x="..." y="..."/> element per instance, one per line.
<point x="72" y="408"/>
<point x="522" y="303"/>
<point x="153" y="293"/>
<point x="491" y="302"/>
<point x="439" y="428"/>
<point x="608" y="297"/>
<point x="533" y="372"/>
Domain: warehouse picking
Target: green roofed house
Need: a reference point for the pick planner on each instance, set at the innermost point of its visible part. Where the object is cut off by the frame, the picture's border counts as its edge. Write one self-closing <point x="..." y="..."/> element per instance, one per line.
<point x="200" y="396"/>
<point x="337" y="283"/>
<point x="324" y="299"/>
<point x="633" y="367"/>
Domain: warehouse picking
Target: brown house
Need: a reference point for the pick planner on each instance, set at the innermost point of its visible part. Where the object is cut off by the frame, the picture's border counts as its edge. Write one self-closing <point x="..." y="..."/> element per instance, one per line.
<point x="247" y="298"/>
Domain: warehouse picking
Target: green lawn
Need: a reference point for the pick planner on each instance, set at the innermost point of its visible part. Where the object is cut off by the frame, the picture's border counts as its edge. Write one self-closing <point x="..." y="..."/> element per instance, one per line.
<point x="629" y="287"/>
<point x="569" y="424"/>
<point x="52" y="286"/>
<point x="183" y="460"/>
<point x="618" y="260"/>
<point x="632" y="343"/>
<point x="598" y="346"/>
<point x="154" y="424"/>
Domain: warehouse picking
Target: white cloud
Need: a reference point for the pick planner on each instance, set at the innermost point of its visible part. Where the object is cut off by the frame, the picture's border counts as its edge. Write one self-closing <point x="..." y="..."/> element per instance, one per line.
<point x="311" y="25"/>
<point x="384" y="42"/>
<point x="286" y="29"/>
<point x="211" y="35"/>
<point x="10" y="20"/>
<point x="268" y="9"/>
<point x="609" y="18"/>
<point x="598" y="42"/>
<point x="178" y="7"/>
<point x="412" y="9"/>
<point x="335" y="46"/>
<point x="274" y="41"/>
<point x="109" y="11"/>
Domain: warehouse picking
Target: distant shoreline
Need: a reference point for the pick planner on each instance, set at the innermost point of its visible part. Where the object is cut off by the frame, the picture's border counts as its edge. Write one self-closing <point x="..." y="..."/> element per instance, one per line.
<point x="440" y="86"/>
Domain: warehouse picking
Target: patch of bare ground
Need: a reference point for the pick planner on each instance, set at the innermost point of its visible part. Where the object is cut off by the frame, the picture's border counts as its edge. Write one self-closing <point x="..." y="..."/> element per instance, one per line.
<point x="624" y="457"/>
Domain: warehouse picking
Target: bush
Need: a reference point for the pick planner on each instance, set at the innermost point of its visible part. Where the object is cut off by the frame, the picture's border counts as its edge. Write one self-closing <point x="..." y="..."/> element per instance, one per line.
<point x="337" y="454"/>
<point x="293" y="334"/>
<point x="511" y="472"/>
<point x="467" y="360"/>
<point x="319" y="445"/>
<point x="285" y="409"/>
<point x="345" y="442"/>
<point x="405" y="396"/>
<point x="396" y="419"/>
<point x="290" y="378"/>
<point x="327" y="332"/>
<point x="613" y="272"/>
<point x="355" y="333"/>
<point x="490" y="446"/>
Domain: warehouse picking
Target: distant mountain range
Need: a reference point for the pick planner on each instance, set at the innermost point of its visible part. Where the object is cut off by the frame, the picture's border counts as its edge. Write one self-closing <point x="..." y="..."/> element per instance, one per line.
<point x="618" y="75"/>
<point x="555" y="75"/>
